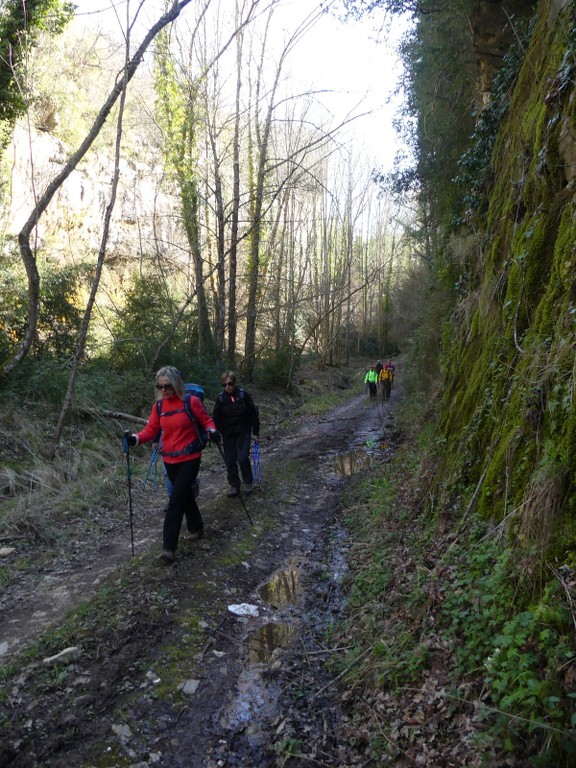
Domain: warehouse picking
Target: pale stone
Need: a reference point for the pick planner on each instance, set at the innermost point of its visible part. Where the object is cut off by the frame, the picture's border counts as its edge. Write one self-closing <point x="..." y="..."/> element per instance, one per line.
<point x="189" y="687"/>
<point x="244" y="609"/>
<point x="67" y="656"/>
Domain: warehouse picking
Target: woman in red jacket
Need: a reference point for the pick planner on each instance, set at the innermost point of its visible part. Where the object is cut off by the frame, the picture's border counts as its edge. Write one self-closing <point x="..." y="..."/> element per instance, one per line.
<point x="181" y="453"/>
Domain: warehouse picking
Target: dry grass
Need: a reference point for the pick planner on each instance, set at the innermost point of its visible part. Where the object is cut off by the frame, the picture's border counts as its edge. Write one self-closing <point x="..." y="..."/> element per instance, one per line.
<point x="40" y="488"/>
<point x="543" y="503"/>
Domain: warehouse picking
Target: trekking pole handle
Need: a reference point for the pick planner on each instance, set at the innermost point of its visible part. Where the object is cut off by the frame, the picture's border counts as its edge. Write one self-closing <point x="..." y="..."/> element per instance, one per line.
<point x="125" y="436"/>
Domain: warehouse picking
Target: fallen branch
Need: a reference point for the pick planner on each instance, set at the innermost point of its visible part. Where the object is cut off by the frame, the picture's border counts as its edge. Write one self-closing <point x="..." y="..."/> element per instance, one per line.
<point x="96" y="413"/>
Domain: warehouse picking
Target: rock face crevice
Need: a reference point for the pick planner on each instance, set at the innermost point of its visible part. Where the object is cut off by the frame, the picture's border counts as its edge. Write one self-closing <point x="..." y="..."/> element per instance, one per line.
<point x="494" y="28"/>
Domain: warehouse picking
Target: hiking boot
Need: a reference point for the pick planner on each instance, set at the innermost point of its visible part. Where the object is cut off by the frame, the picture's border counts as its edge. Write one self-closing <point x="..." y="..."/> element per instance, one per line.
<point x="232" y="492"/>
<point x="167" y="556"/>
<point x="194" y="535"/>
<point x="248" y="488"/>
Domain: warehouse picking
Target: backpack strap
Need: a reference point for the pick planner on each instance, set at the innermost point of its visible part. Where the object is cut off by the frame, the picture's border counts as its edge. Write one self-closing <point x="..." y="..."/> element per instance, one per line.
<point x="201" y="437"/>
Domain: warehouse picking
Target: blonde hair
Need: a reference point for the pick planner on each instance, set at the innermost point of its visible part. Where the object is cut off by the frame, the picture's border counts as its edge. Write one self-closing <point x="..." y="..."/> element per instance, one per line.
<point x="174" y="377"/>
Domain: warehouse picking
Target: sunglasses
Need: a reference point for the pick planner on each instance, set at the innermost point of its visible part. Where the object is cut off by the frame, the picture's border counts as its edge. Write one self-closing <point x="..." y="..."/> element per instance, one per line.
<point x="163" y="386"/>
<point x="228" y="383"/>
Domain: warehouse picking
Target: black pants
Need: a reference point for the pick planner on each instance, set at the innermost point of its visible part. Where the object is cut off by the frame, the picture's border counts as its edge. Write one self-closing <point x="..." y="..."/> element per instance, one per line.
<point x="386" y="388"/>
<point x="182" y="502"/>
<point x="237" y="454"/>
<point x="372" y="388"/>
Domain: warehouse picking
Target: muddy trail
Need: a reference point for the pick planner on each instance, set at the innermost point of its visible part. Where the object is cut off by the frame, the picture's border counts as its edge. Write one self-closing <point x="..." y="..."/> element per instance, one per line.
<point x="218" y="660"/>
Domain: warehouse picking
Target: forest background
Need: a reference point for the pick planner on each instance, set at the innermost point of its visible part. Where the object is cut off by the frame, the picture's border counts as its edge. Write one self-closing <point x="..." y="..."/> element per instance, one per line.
<point x="237" y="227"/>
<point x="219" y="216"/>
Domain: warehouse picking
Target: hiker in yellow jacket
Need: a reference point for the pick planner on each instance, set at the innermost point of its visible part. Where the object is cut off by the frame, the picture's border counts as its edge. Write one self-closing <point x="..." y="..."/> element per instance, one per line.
<point x="385" y="380"/>
<point x="371" y="379"/>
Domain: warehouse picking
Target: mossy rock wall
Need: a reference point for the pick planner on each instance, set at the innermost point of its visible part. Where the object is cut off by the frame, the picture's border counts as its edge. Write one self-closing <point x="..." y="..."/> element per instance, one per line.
<point x="509" y="409"/>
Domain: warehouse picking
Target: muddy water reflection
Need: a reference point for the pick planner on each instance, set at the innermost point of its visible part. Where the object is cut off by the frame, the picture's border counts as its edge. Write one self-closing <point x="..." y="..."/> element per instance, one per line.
<point x="348" y="463"/>
<point x="283" y="589"/>
<point x="262" y="644"/>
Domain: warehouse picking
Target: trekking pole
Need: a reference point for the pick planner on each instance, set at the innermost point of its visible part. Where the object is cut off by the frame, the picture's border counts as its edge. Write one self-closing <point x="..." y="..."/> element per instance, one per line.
<point x="244" y="505"/>
<point x="153" y="460"/>
<point x="256" y="462"/>
<point x="239" y="492"/>
<point x="126" y="449"/>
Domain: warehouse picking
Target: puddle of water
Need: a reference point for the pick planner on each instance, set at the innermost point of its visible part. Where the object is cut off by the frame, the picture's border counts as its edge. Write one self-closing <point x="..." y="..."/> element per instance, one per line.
<point x="254" y="700"/>
<point x="273" y="635"/>
<point x="283" y="589"/>
<point x="348" y="463"/>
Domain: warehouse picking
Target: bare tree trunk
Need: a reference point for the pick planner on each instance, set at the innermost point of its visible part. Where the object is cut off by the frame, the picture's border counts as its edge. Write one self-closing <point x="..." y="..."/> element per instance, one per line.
<point x="257" y="205"/>
<point x="220" y="313"/>
<point x="28" y="257"/>
<point x="234" y="229"/>
<point x="79" y="352"/>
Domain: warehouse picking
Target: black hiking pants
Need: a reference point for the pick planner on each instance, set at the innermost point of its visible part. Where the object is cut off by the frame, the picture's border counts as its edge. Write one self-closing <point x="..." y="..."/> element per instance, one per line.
<point x="237" y="454"/>
<point x="182" y="502"/>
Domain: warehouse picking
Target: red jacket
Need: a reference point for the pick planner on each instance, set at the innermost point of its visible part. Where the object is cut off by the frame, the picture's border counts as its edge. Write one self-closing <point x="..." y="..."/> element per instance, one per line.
<point x="178" y="431"/>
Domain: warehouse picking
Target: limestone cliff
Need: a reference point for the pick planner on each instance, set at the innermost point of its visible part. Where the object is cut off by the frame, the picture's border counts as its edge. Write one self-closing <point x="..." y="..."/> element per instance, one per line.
<point x="145" y="217"/>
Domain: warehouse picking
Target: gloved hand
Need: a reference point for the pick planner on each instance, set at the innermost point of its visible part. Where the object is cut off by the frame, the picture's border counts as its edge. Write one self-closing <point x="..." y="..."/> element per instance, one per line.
<point x="215" y="437"/>
<point x="130" y="439"/>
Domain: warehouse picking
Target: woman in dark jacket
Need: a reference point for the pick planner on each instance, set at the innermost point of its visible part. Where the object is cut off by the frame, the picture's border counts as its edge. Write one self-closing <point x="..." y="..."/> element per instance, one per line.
<point x="236" y="418"/>
<point x="181" y="452"/>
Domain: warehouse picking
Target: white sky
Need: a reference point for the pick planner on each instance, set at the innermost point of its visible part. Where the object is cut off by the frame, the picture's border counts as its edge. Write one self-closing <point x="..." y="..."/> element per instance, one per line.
<point x="337" y="57"/>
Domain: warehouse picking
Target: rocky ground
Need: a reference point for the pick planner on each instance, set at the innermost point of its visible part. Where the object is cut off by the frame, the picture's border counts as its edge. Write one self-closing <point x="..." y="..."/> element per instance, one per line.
<point x="222" y="659"/>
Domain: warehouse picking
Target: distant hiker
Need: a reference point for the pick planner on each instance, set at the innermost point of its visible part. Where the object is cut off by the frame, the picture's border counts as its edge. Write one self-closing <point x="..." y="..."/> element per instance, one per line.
<point x="184" y="423"/>
<point x="371" y="379"/>
<point x="391" y="367"/>
<point x="237" y="418"/>
<point x="379" y="367"/>
<point x="385" y="380"/>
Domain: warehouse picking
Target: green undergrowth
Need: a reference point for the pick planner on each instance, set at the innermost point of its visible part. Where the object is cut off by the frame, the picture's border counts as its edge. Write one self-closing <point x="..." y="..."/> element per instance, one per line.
<point x="439" y="606"/>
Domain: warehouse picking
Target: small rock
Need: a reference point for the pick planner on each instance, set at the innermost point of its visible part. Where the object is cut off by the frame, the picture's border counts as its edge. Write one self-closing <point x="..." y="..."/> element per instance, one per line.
<point x="244" y="609"/>
<point x="123" y="732"/>
<point x="189" y="687"/>
<point x="152" y="677"/>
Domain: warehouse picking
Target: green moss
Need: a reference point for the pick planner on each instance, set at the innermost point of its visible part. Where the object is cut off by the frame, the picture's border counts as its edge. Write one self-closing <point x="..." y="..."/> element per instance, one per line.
<point x="508" y="408"/>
